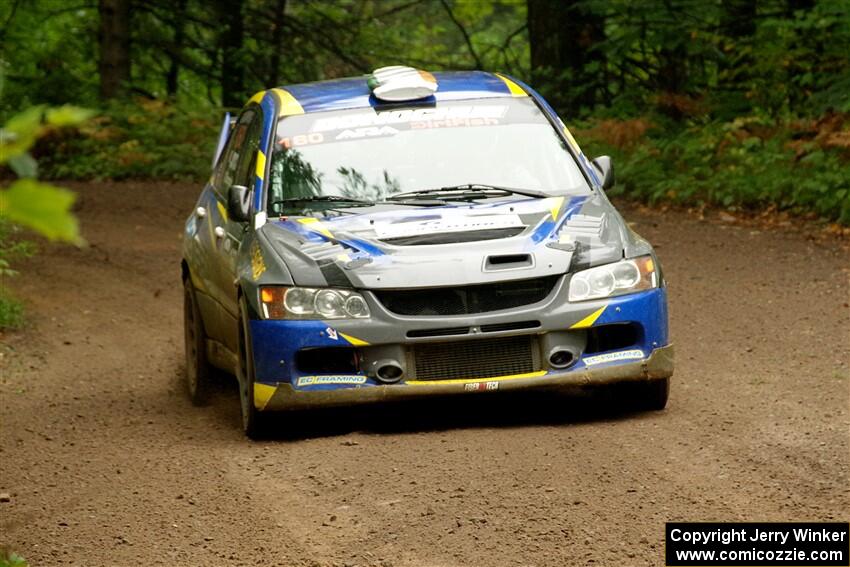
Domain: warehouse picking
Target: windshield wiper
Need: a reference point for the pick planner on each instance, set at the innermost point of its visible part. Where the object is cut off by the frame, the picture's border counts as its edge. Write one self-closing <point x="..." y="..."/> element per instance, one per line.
<point x="321" y="199"/>
<point x="467" y="191"/>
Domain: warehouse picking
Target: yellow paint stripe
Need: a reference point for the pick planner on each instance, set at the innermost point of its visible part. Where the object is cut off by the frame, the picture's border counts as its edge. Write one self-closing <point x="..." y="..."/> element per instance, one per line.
<point x="590" y="319"/>
<point x="468" y="380"/>
<point x="197" y="282"/>
<point x="571" y="139"/>
<point x="288" y="104"/>
<point x="316" y="226"/>
<point x="515" y="89"/>
<point x="556" y="207"/>
<point x="262" y="394"/>
<point x="261" y="164"/>
<point x="257" y="97"/>
<point x="222" y="210"/>
<point x="353" y="340"/>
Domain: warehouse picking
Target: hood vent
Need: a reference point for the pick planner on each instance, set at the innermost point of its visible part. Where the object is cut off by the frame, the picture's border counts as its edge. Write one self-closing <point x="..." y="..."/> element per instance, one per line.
<point x="584" y="225"/>
<point x="508" y="262"/>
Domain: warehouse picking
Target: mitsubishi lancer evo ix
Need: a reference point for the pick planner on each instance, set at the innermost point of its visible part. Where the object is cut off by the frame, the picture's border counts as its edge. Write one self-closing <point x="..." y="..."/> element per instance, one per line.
<point x="412" y="234"/>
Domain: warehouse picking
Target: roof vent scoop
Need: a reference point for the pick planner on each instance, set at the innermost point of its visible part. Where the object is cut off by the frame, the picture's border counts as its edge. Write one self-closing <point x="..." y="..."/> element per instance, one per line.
<point x="400" y="83"/>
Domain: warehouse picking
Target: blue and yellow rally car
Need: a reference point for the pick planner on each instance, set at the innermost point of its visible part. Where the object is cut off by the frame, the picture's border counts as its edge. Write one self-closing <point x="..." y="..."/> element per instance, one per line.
<point x="410" y="234"/>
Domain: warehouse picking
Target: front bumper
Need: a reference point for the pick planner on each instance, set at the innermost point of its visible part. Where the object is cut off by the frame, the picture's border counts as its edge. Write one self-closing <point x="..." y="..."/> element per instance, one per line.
<point x="282" y="384"/>
<point x="656" y="366"/>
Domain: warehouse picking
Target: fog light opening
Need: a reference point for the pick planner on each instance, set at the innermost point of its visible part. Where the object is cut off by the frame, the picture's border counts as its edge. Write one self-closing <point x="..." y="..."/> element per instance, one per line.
<point x="560" y="358"/>
<point x="389" y="372"/>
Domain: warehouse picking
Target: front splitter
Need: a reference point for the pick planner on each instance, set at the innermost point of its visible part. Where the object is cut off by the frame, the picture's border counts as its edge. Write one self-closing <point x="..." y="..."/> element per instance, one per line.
<point x="283" y="396"/>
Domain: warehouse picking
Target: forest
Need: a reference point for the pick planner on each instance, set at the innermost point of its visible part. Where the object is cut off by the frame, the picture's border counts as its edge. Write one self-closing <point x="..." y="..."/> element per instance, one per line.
<point x="737" y="103"/>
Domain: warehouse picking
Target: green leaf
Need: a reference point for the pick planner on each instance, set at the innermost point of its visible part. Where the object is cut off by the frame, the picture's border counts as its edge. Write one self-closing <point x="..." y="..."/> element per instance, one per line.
<point x="41" y="207"/>
<point x="20" y="133"/>
<point x="24" y="165"/>
<point x="68" y="115"/>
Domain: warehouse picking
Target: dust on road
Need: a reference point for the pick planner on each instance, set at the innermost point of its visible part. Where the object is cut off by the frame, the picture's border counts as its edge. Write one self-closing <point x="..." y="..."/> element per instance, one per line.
<point x="107" y="463"/>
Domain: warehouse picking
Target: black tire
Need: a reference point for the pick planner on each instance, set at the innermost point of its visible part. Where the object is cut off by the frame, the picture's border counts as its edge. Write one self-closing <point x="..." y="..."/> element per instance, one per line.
<point x="197" y="367"/>
<point x="253" y="421"/>
<point x="653" y="395"/>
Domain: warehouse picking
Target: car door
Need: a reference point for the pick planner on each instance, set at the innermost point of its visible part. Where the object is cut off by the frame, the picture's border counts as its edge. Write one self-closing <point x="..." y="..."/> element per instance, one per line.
<point x="210" y="232"/>
<point x="238" y="169"/>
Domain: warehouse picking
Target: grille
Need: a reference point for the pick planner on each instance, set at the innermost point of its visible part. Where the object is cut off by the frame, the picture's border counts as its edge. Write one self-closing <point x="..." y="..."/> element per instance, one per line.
<point x="496" y="327"/>
<point x="476" y="359"/>
<point x="438" y="332"/>
<point x="466" y="300"/>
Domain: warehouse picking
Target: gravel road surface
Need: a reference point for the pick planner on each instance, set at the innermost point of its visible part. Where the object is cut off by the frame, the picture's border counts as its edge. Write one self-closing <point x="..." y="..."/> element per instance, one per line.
<point x="106" y="462"/>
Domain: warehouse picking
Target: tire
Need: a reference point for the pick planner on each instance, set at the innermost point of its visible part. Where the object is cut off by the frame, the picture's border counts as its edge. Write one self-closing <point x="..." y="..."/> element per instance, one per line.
<point x="653" y="395"/>
<point x="253" y="421"/>
<point x="197" y="367"/>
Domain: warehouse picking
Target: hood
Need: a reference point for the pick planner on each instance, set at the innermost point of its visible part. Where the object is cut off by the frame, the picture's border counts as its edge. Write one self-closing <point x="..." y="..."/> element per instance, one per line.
<point x="464" y="244"/>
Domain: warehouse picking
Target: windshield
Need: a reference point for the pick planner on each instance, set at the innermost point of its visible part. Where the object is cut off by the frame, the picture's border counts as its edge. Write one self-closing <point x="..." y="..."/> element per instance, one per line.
<point x="370" y="155"/>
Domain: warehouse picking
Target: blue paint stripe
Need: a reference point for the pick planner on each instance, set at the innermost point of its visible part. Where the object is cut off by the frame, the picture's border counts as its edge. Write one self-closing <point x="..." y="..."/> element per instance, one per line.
<point x="269" y="107"/>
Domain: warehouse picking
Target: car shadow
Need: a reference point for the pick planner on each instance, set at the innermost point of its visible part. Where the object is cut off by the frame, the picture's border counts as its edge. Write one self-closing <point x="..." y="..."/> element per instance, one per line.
<point x="465" y="411"/>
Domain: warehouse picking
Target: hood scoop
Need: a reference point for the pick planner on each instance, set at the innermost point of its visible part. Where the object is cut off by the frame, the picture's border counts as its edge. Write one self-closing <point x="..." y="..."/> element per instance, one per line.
<point x="508" y="262"/>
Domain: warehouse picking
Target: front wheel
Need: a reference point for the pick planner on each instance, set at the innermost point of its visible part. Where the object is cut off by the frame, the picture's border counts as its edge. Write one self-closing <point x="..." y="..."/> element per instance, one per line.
<point x="653" y="395"/>
<point x="252" y="419"/>
<point x="197" y="366"/>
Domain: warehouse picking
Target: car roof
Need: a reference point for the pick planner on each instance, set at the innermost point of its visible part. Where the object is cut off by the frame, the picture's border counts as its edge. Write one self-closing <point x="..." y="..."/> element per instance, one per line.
<point x="354" y="92"/>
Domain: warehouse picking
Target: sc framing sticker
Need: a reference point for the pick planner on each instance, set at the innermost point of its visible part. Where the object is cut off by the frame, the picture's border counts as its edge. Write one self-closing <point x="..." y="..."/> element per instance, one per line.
<point x="317" y="380"/>
<point x="613" y="357"/>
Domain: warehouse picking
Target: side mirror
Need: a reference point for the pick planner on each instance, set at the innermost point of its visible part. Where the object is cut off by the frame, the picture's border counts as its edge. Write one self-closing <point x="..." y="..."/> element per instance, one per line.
<point x="606" y="168"/>
<point x="238" y="207"/>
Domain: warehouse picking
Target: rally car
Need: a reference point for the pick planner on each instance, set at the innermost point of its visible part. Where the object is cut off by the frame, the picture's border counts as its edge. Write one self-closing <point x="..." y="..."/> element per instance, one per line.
<point x="411" y="234"/>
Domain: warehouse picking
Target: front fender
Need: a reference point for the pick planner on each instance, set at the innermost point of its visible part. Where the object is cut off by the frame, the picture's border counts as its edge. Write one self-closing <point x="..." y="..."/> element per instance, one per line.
<point x="258" y="264"/>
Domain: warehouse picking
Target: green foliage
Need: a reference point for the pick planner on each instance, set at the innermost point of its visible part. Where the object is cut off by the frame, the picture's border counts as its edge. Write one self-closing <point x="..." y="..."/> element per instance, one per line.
<point x="747" y="163"/>
<point x="145" y="139"/>
<point x="11" y="317"/>
<point x="722" y="82"/>
<point x="41" y="207"/>
<point x="10" y="558"/>
<point x="12" y="248"/>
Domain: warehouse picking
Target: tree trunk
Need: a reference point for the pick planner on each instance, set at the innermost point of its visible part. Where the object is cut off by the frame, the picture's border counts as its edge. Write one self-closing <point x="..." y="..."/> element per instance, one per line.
<point x="566" y="62"/>
<point x="276" y="46"/>
<point x="114" y="41"/>
<point x="232" y="66"/>
<point x="171" y="80"/>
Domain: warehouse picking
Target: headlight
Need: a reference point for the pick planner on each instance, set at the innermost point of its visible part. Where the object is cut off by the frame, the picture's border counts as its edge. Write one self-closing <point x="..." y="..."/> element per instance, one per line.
<point x="312" y="303"/>
<point x="625" y="276"/>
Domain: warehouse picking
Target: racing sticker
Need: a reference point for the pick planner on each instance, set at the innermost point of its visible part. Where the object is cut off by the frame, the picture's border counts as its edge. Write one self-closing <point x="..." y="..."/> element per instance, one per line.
<point x="613" y="357"/>
<point x="258" y="265"/>
<point x="481" y="386"/>
<point x="443" y="224"/>
<point x="321" y="380"/>
<point x="456" y="115"/>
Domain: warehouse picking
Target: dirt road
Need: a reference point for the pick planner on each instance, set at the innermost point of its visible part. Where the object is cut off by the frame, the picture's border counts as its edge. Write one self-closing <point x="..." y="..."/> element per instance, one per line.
<point x="107" y="463"/>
